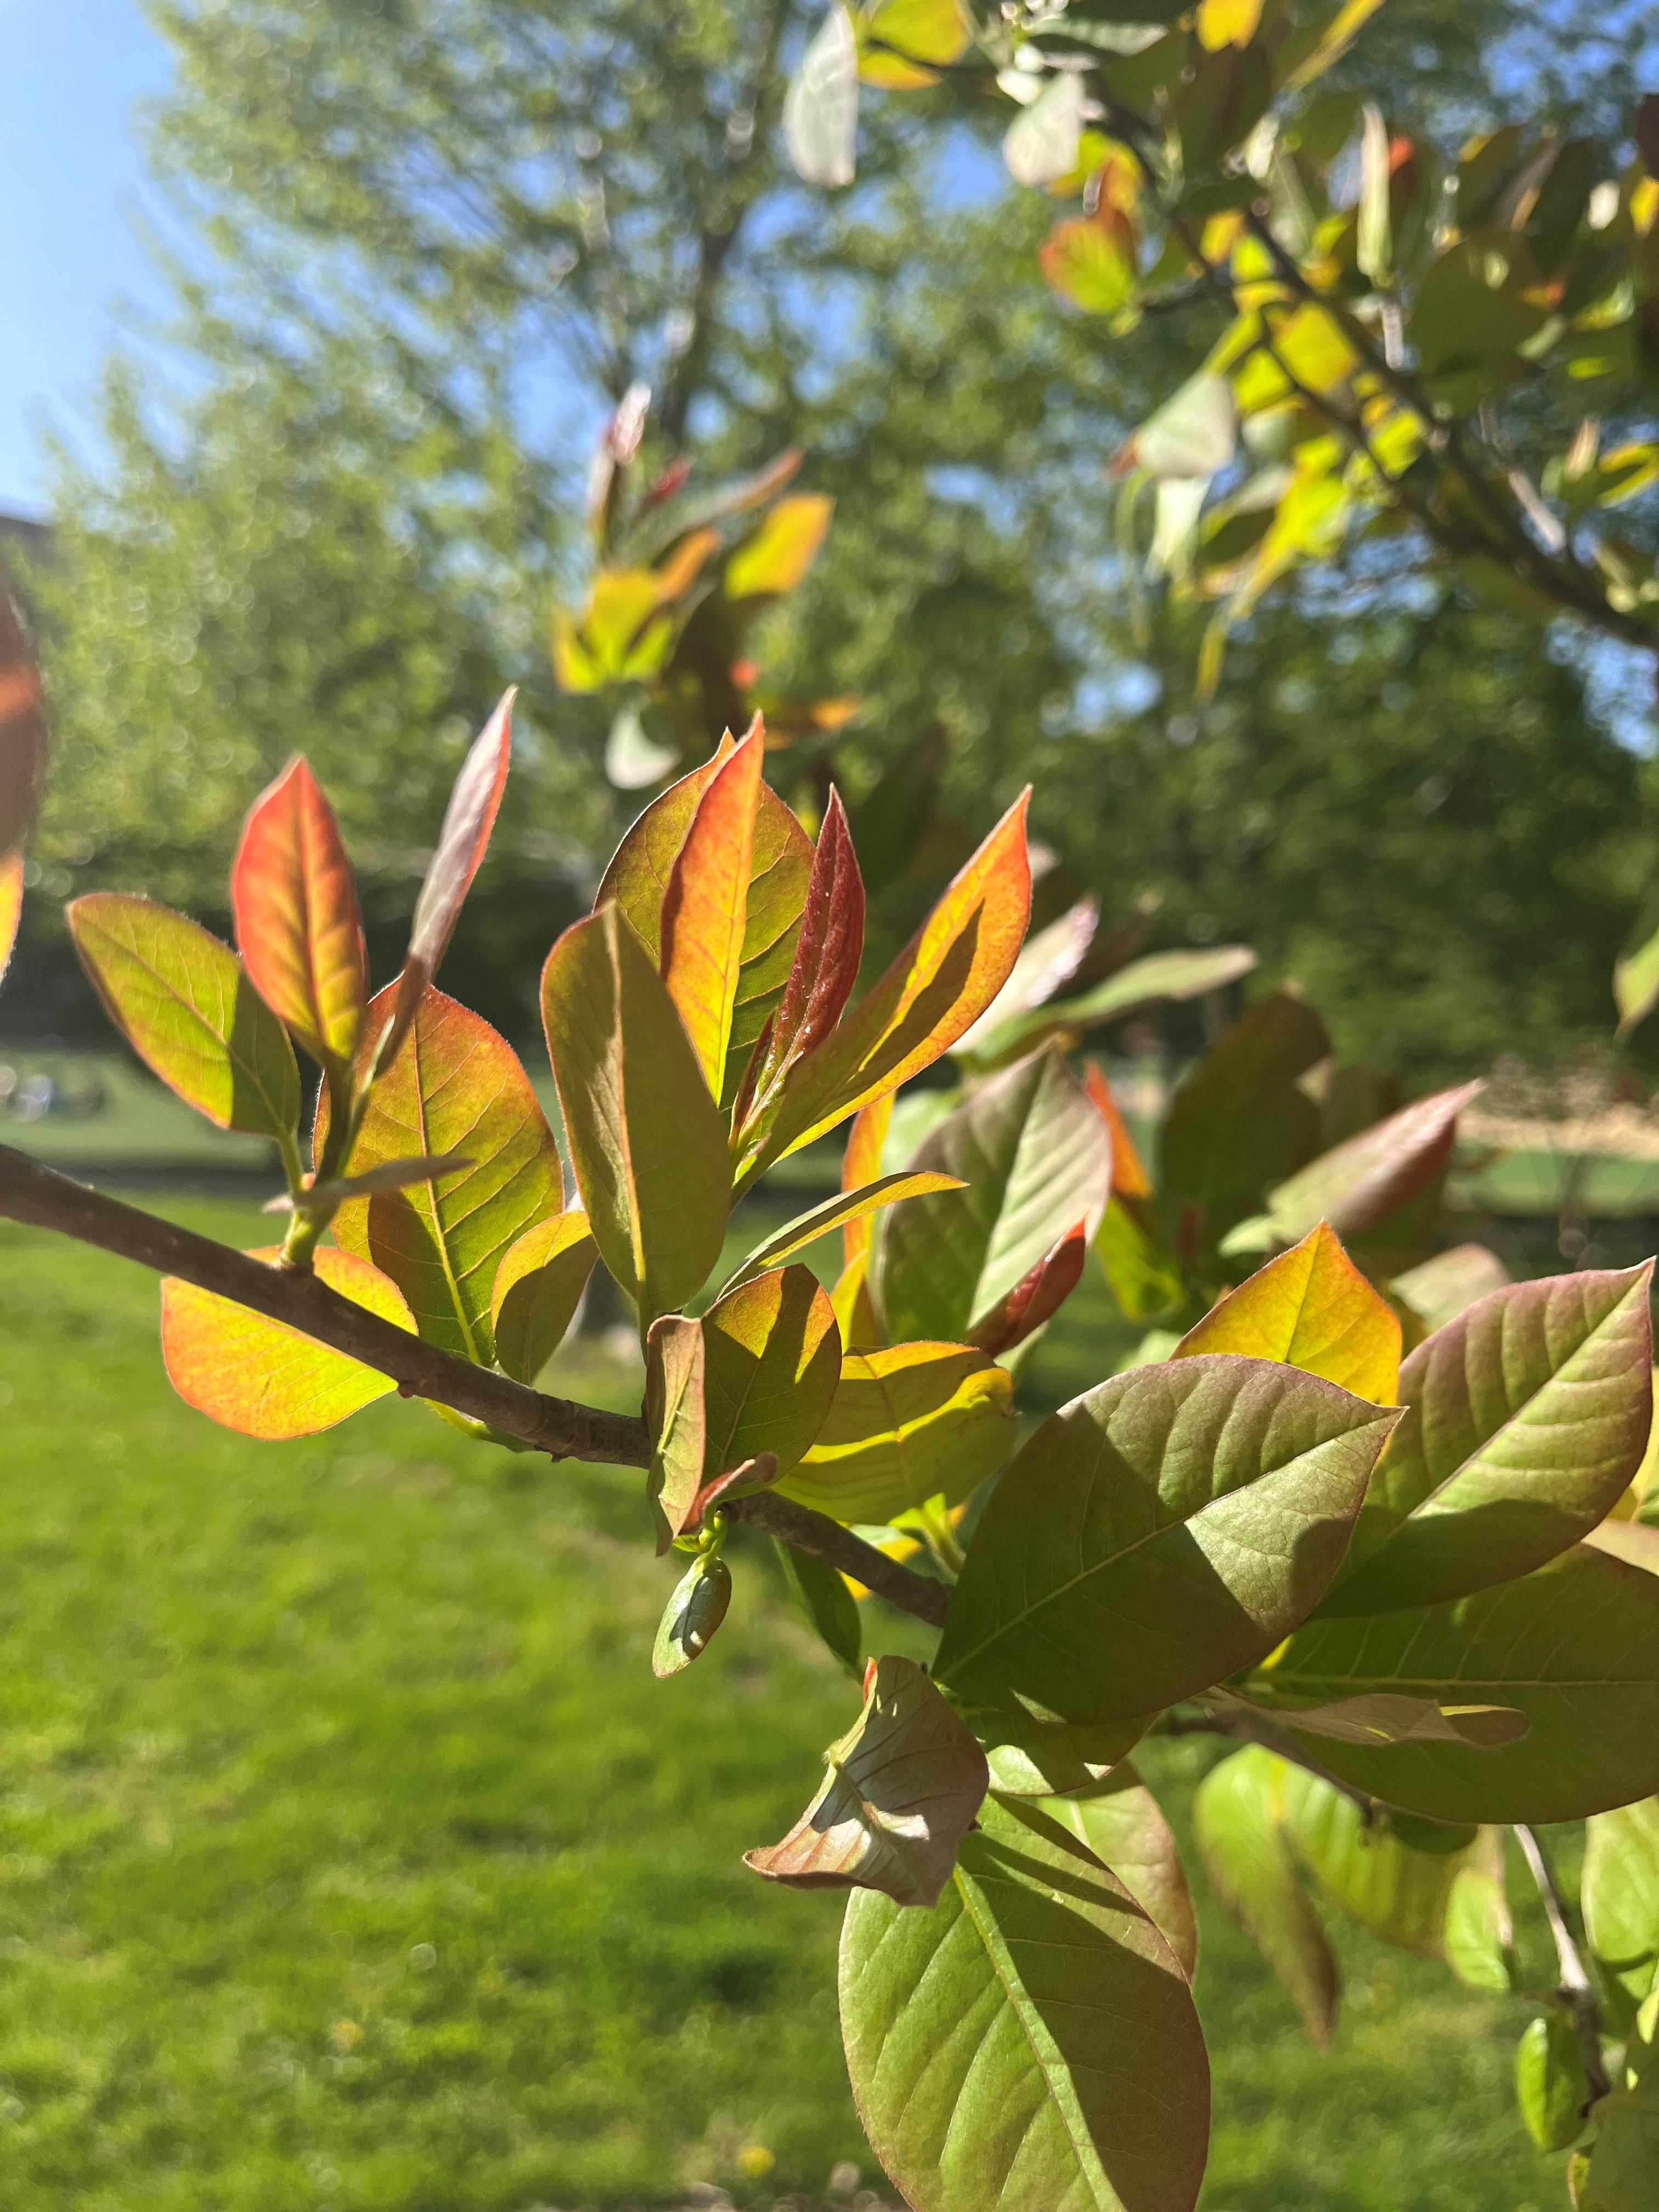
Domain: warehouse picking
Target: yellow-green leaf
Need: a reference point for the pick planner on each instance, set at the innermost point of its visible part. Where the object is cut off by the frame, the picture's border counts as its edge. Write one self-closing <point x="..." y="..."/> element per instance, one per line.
<point x="538" y="1285"/>
<point x="909" y="1422"/>
<point x="1312" y="1309"/>
<point x="704" y="908"/>
<point x="772" y="1356"/>
<point x="782" y="550"/>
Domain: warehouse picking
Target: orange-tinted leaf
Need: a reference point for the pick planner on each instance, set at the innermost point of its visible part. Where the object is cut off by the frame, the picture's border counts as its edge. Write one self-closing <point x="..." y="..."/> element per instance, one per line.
<point x="1312" y="1309"/>
<point x="1129" y="1176"/>
<point x="185" y="1004"/>
<point x="22" y="733"/>
<point x="538" y="1286"/>
<point x="674" y="1415"/>
<point x="772" y="1361"/>
<point x="1091" y="261"/>
<point x="11" y="906"/>
<point x="939" y="985"/>
<point x="647" y="1142"/>
<point x="902" y="1791"/>
<point x="825" y="967"/>
<point x="704" y="909"/>
<point x="457" y="1086"/>
<point x="1047" y="961"/>
<point x="1037" y="1297"/>
<point x="835" y="1213"/>
<point x="758" y="1474"/>
<point x="861" y="1166"/>
<point x="262" y="1378"/>
<point x="909" y="1423"/>
<point x="297" y="923"/>
<point x="782" y="550"/>
<point x="855" y="1314"/>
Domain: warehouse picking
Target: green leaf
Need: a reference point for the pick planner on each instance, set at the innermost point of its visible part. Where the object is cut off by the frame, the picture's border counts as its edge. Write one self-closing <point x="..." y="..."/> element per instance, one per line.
<point x="1144" y="1278"/>
<point x="648" y="1144"/>
<point x="1029" y="2042"/>
<point x="1122" y="1823"/>
<point x="1479" y="1938"/>
<point x="835" y="1213"/>
<point x="1030" y="1758"/>
<point x="674" y="1416"/>
<point x="1621" y="1894"/>
<point x="1033" y="1151"/>
<point x="1525" y="1420"/>
<point x="696" y="1609"/>
<point x="537" y="1288"/>
<point x="1237" y="1825"/>
<point x="1176" y="977"/>
<point x="1636" y="979"/>
<point x="455" y="1087"/>
<point x="1193" y="433"/>
<point x="821" y="112"/>
<point x="1386" y="1718"/>
<point x="1448" y="1284"/>
<point x="1624" y="2163"/>
<point x="1549" y="2081"/>
<point x="824" y="1597"/>
<point x="1575" y="1647"/>
<point x="1167" y="1528"/>
<point x="1375" y="236"/>
<point x="907" y="1423"/>
<point x="903" y="1784"/>
<point x="22" y="735"/>
<point x="1358" y="1184"/>
<point x="184" y="1003"/>
<point x="772" y="1361"/>
<point x="1239" y="1123"/>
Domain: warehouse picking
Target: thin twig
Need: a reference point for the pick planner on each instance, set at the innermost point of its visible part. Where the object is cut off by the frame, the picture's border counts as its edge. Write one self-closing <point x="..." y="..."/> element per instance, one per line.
<point x="1577" y="1992"/>
<point x="40" y="1197"/>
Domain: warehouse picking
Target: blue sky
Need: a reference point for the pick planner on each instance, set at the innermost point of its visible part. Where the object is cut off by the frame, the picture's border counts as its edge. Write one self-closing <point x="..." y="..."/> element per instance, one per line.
<point x="70" y="183"/>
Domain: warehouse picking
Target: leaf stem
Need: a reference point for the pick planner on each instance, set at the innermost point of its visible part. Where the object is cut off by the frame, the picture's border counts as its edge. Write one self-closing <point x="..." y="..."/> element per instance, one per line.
<point x="1577" y="1991"/>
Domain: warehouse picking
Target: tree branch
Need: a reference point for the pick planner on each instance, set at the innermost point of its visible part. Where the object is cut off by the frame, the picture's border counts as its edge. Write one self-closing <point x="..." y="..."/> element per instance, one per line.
<point x="1577" y="1990"/>
<point x="40" y="1197"/>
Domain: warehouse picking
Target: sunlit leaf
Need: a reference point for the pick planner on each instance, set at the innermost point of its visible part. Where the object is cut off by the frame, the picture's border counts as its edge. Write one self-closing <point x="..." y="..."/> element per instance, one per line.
<point x="1236" y="1820"/>
<point x="1636" y="981"/>
<point x="1031" y="1757"/>
<point x="704" y="907"/>
<point x="457" y="1087"/>
<point x="1360" y="1183"/>
<point x="1047" y="961"/>
<point x="821" y="112"/>
<point x="11" y="907"/>
<point x="647" y="1143"/>
<point x="298" y="926"/>
<point x="677" y="1422"/>
<point x="1142" y="1275"/>
<point x="1622" y="2174"/>
<point x="1123" y="1825"/>
<point x="782" y="550"/>
<point x="903" y="1784"/>
<point x="833" y="1214"/>
<point x="1091" y="261"/>
<point x="1181" y="1518"/>
<point x="1193" y="433"/>
<point x="1037" y="1297"/>
<point x="1227" y="23"/>
<point x="538" y="1285"/>
<point x="184" y="1002"/>
<point x="1313" y="1308"/>
<point x="1129" y="1176"/>
<point x="861" y="1166"/>
<point x="1526" y="1417"/>
<point x="699" y="1604"/>
<point x="391" y="1175"/>
<point x="262" y="1378"/>
<point x="1325" y="43"/>
<point x="1440" y="1289"/>
<point x="1029" y="2042"/>
<point x="1146" y="983"/>
<point x="1550" y="2085"/>
<point x="1620" y="1893"/>
<point x="899" y="38"/>
<point x="1385" y="1717"/>
<point x="772" y="1364"/>
<point x="909" y="1422"/>
<point x="855" y="1316"/>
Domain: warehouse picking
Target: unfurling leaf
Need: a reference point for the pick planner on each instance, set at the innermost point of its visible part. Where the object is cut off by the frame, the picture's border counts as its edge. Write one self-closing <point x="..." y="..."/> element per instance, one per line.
<point x="677" y="1422"/>
<point x="298" y="926"/>
<point x="1167" y="1528"/>
<point x="1525" y="1419"/>
<point x="825" y="967"/>
<point x="262" y="1378"/>
<point x="903" y="1784"/>
<point x="1358" y="1185"/>
<point x="696" y="1609"/>
<point x="1550" y="2085"/>
<point x="705" y="906"/>
<point x="22" y="734"/>
<point x="647" y="1141"/>
<point x="772" y="1359"/>
<point x="1029" y="2042"/>
<point x="538" y="1285"/>
<point x="456" y="1090"/>
<point x="1236" y="1819"/>
<point x="821" y="110"/>
<point x="184" y="1002"/>
<point x="833" y="1214"/>
<point x="1124" y="1826"/>
<point x="824" y="1597"/>
<point x="1033" y="1151"/>
<point x="1312" y="1309"/>
<point x="907" y="1424"/>
<point x="11" y="907"/>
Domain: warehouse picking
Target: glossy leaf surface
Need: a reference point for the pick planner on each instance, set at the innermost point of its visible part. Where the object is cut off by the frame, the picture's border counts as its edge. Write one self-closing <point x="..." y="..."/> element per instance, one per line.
<point x="903" y="1784"/>
<point x="704" y="908"/>
<point x="647" y="1141"/>
<point x="262" y="1378"/>
<point x="1123" y="1825"/>
<point x="455" y="1087"/>
<point x="772" y="1363"/>
<point x="1312" y="1309"/>
<point x="1237" y="1820"/>
<point x="675" y="1418"/>
<point x="185" y="1004"/>
<point x="538" y="1285"/>
<point x="1525" y="1420"/>
<point x="1164" y="1530"/>
<point x="1031" y="2041"/>
<point x="298" y="926"/>
<point x="907" y="1423"/>
<point x="837" y="1212"/>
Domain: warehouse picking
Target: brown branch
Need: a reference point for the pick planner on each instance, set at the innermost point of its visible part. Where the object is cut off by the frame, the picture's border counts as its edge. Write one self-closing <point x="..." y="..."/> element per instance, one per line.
<point x="40" y="1197"/>
<point x="1577" y="1993"/>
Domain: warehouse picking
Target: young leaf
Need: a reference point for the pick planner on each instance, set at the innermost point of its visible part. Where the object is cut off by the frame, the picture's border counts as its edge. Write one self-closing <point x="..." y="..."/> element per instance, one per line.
<point x="833" y="1214"/>
<point x="674" y="1415"/>
<point x="11" y="907"/>
<point x="1446" y="1285"/>
<point x="184" y="1003"/>
<point x="647" y="1141"/>
<point x="22" y="734"/>
<point x="861" y="1166"/>
<point x="825" y="967"/>
<point x="1029" y="1757"/>
<point x="1574" y="1647"/>
<point x="782" y="549"/>
<point x="538" y="1285"/>
<point x="1122" y="1823"/>
<point x="391" y="1175"/>
<point x="1239" y="1123"/>
<point x="1167" y="1528"/>
<point x="297" y="928"/>
<point x="456" y="1088"/>
<point x="772" y="1359"/>
<point x="1037" y="1297"/>
<point x="824" y="1598"/>
<point x="907" y="1424"/>
<point x="262" y="1378"/>
<point x="1047" y="961"/>
<point x="855" y="1317"/>
<point x="1029" y="2042"/>
<point x="1525" y="1420"/>
<point x="1619" y="1892"/>
<point x="475" y="800"/>
<point x="937" y="987"/>
<point x="821" y="110"/>
<point x="705" y="905"/>
<point x="1550" y="2085"/>
<point x="1040" y="145"/>
<point x="741" y="1481"/>
<point x="1236" y="1820"/>
<point x="1033" y="1151"/>
<point x="1313" y="1308"/>
<point x="701" y="1599"/>
<point x="903" y="1784"/>
<point x="1358" y="1184"/>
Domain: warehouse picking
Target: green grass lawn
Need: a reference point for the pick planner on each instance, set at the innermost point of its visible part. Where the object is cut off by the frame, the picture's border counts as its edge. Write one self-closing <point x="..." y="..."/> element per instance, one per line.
<point x="350" y="1857"/>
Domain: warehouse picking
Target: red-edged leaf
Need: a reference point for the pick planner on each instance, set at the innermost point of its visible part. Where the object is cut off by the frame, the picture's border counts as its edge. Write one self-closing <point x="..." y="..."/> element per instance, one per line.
<point x="1358" y="1184"/>
<point x="827" y="954"/>
<point x="704" y="910"/>
<point x="1037" y="1297"/>
<point x="297" y="928"/>
<point x="262" y="1378"/>
<point x="861" y="1166"/>
<point x="11" y="906"/>
<point x="22" y="733"/>
<point x="674" y="1369"/>
<point x="771" y="1367"/>
<point x="1129" y="1176"/>
<point x="758" y="1474"/>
